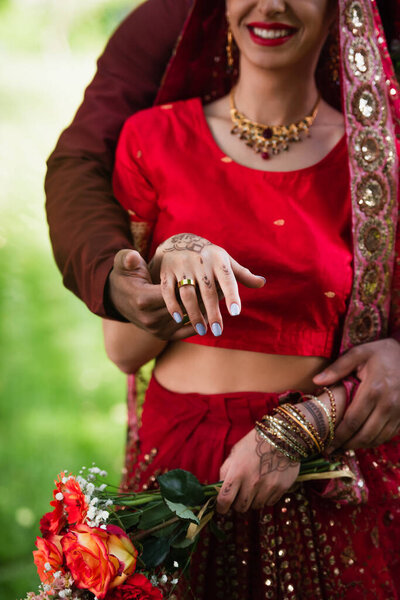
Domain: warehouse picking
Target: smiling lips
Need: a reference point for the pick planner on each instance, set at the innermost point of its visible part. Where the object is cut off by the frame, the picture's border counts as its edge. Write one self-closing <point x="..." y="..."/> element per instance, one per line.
<point x="270" y="34"/>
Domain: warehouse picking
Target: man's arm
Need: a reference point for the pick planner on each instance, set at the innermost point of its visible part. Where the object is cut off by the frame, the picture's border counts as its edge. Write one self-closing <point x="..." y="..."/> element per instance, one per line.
<point x="87" y="226"/>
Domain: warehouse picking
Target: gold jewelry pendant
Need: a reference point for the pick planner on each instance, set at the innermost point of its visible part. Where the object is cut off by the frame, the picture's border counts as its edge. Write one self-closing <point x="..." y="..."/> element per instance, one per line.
<point x="268" y="140"/>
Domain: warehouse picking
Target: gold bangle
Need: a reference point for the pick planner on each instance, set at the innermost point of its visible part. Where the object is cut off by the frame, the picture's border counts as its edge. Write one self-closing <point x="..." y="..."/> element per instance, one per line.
<point x="275" y="445"/>
<point x="297" y="428"/>
<point x="276" y="433"/>
<point x="329" y="417"/>
<point x="308" y="424"/>
<point x="186" y="281"/>
<point x="280" y="430"/>
<point x="304" y="424"/>
<point x="333" y="405"/>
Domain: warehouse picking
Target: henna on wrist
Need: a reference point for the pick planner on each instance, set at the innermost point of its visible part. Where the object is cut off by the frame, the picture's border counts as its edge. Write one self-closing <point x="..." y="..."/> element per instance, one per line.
<point x="270" y="458"/>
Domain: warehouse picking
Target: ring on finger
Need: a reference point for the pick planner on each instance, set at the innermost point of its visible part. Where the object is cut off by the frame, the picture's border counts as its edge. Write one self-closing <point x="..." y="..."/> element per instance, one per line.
<point x="186" y="281"/>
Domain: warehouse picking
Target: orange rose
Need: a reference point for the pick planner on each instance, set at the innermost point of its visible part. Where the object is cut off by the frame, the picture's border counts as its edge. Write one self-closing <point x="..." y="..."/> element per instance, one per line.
<point x="98" y="559"/>
<point x="48" y="557"/>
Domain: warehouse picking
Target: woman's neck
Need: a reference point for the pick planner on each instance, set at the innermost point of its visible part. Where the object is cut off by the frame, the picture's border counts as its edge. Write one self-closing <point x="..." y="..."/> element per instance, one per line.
<point x="275" y="97"/>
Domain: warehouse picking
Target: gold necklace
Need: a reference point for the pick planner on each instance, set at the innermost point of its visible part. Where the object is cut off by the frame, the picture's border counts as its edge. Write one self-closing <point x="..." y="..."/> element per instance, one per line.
<point x="269" y="139"/>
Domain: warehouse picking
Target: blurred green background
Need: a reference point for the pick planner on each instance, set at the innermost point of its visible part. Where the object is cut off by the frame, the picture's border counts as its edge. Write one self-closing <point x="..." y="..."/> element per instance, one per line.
<point x="62" y="402"/>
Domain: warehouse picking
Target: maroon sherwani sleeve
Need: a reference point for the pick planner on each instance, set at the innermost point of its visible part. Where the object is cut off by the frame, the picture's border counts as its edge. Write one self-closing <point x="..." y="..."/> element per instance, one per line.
<point x="87" y="226"/>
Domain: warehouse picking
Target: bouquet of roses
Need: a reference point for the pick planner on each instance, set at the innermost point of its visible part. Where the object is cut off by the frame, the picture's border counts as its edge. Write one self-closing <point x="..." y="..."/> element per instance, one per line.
<point x="99" y="543"/>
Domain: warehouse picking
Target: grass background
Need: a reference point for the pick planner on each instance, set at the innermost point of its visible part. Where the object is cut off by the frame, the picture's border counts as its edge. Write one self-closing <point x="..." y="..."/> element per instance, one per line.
<point x="62" y="404"/>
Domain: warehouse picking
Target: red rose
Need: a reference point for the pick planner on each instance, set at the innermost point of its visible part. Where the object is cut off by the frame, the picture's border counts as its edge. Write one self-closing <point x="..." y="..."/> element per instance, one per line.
<point x="55" y="521"/>
<point x="98" y="559"/>
<point x="74" y="501"/>
<point x="48" y="557"/>
<point x="69" y="503"/>
<point x="137" y="587"/>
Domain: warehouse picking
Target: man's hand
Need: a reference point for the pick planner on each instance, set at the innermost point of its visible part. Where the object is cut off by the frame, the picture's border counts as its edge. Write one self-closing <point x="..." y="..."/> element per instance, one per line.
<point x="134" y="295"/>
<point x="373" y="417"/>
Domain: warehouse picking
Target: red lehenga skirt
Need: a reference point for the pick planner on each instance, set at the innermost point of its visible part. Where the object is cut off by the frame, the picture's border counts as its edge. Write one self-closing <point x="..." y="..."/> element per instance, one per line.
<point x="303" y="547"/>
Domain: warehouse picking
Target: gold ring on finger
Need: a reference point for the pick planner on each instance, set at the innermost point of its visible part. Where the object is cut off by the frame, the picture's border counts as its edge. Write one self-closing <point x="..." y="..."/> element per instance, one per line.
<point x="186" y="281"/>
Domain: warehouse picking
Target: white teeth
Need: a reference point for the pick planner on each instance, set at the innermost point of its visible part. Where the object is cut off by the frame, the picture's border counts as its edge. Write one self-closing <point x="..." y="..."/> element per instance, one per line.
<point x="271" y="34"/>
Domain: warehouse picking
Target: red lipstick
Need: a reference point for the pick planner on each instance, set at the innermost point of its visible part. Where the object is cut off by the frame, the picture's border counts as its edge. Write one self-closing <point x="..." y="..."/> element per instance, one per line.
<point x="266" y="34"/>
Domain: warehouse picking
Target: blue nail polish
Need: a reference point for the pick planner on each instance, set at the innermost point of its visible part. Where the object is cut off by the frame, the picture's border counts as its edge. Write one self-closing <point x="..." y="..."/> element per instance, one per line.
<point x="265" y="281"/>
<point x="201" y="330"/>
<point x="177" y="317"/>
<point x="216" y="329"/>
<point x="235" y="309"/>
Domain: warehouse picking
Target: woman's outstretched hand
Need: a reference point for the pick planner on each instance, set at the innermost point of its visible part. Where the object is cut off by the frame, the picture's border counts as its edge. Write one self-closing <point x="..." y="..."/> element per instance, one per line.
<point x="373" y="417"/>
<point x="254" y="474"/>
<point x="187" y="256"/>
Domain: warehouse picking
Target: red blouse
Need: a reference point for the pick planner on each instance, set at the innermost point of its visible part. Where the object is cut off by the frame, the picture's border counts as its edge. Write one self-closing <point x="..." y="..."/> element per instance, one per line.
<point x="292" y="227"/>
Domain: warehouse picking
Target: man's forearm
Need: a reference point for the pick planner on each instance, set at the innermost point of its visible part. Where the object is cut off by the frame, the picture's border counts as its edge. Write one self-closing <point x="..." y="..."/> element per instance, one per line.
<point x="87" y="227"/>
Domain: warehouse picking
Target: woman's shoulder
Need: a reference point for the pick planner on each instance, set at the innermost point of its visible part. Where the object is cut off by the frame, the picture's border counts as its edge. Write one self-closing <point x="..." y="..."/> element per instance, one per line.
<point x="159" y="120"/>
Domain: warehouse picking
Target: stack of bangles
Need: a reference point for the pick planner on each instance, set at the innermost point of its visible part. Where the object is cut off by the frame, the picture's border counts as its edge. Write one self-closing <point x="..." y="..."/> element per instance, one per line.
<point x="289" y="430"/>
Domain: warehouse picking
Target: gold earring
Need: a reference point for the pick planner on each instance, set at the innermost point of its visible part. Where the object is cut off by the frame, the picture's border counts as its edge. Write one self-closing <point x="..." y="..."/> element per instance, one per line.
<point x="229" y="48"/>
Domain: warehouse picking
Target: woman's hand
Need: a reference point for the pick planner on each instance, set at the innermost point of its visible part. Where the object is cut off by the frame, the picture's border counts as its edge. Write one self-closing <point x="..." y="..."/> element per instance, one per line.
<point x="257" y="474"/>
<point x="254" y="474"/>
<point x="188" y="256"/>
<point x="373" y="417"/>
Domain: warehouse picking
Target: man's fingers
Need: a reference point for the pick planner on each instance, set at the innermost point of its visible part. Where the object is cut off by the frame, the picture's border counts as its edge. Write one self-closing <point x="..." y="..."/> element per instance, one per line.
<point x="354" y="418"/>
<point x="343" y="366"/>
<point x="387" y="433"/>
<point x="365" y="436"/>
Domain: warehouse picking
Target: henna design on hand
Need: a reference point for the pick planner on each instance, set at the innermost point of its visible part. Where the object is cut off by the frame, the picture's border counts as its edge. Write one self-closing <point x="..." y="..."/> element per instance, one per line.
<point x="270" y="458"/>
<point x="227" y="490"/>
<point x="187" y="241"/>
<point x="225" y="269"/>
<point x="207" y="282"/>
<point x="319" y="418"/>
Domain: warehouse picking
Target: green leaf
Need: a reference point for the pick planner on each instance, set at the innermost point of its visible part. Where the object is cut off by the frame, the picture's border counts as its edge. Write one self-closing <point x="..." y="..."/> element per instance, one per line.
<point x="185" y="543"/>
<point x="182" y="511"/>
<point x="155" y="550"/>
<point x="181" y="487"/>
<point x="168" y="531"/>
<point x="155" y="515"/>
<point x="127" y="518"/>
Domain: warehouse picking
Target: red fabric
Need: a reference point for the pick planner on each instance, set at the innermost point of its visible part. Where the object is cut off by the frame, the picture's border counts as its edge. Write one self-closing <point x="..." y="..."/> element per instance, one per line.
<point x="304" y="546"/>
<point x="87" y="226"/>
<point x="290" y="227"/>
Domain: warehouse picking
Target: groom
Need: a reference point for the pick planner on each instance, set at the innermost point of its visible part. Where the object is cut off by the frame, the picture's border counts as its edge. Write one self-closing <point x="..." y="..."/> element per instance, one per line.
<point x="90" y="231"/>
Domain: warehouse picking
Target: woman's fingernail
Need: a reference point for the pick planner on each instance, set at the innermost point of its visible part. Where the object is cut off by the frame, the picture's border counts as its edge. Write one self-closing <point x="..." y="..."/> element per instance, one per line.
<point x="177" y="317"/>
<point x="216" y="329"/>
<point x="201" y="330"/>
<point x="262" y="277"/>
<point x="235" y="309"/>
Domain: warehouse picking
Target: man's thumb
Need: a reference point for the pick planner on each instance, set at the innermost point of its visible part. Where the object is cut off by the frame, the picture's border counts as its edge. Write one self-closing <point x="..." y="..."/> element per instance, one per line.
<point x="340" y="368"/>
<point x="130" y="261"/>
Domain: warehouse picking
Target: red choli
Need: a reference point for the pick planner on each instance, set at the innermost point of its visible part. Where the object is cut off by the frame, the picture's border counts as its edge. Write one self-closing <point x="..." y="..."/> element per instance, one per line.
<point x="292" y="227"/>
